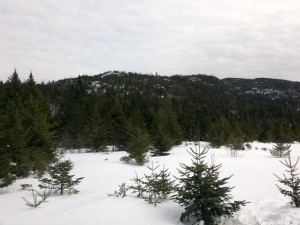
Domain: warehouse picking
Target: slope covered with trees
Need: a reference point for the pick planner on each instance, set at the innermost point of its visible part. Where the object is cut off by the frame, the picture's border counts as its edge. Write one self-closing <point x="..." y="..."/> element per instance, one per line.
<point x="168" y="109"/>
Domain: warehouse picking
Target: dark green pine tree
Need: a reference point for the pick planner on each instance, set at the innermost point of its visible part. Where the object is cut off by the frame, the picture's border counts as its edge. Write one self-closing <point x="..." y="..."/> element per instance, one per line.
<point x="292" y="182"/>
<point x="235" y="139"/>
<point x="6" y="167"/>
<point x="119" y="126"/>
<point x="37" y="122"/>
<point x="15" y="134"/>
<point x="17" y="142"/>
<point x="60" y="178"/>
<point x="26" y="136"/>
<point x="202" y="193"/>
<point x="218" y="131"/>
<point x="161" y="144"/>
<point x="96" y="132"/>
<point x="73" y="114"/>
<point x="266" y="133"/>
<point x="13" y="87"/>
<point x="173" y="128"/>
<point x="280" y="150"/>
<point x="138" y="145"/>
<point x="6" y="175"/>
<point x="165" y="132"/>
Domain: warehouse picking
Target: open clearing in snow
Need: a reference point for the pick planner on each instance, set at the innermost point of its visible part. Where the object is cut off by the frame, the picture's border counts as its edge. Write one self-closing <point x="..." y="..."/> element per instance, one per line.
<point x="253" y="181"/>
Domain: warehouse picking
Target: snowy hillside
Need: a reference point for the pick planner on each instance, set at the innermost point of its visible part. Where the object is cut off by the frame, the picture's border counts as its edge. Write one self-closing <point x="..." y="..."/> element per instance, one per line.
<point x="265" y="88"/>
<point x="253" y="180"/>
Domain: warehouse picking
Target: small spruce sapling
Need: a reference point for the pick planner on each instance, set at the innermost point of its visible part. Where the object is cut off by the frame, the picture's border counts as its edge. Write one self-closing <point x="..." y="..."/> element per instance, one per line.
<point x="153" y="188"/>
<point x="165" y="185"/>
<point x="161" y="145"/>
<point x="280" y="150"/>
<point x="292" y="182"/>
<point x="157" y="186"/>
<point x="122" y="192"/>
<point x="202" y="193"/>
<point x="137" y="147"/>
<point x="138" y="188"/>
<point x="60" y="179"/>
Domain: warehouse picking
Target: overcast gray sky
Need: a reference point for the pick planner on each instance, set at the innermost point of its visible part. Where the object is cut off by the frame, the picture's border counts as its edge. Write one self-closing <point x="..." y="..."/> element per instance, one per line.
<point x="234" y="38"/>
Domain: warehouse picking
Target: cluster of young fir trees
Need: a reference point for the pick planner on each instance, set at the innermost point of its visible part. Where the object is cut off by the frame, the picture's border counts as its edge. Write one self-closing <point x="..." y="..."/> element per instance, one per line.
<point x="199" y="189"/>
<point x="26" y="134"/>
<point x="59" y="181"/>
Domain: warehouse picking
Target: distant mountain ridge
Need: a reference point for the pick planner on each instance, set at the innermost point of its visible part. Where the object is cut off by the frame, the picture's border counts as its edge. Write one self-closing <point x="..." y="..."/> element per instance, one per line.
<point x="123" y="83"/>
<point x="266" y="88"/>
<point x="224" y="110"/>
<point x="274" y="89"/>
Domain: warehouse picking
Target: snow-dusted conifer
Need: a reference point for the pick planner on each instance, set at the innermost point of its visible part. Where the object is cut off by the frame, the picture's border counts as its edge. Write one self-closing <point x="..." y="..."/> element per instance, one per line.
<point x="202" y="193"/>
<point x="154" y="187"/>
<point x="280" y="150"/>
<point x="292" y="182"/>
<point x="138" y="146"/>
<point x="61" y="180"/>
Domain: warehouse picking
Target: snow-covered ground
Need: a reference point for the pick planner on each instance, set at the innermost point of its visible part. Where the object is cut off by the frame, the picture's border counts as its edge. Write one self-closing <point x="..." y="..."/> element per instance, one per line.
<point x="253" y="180"/>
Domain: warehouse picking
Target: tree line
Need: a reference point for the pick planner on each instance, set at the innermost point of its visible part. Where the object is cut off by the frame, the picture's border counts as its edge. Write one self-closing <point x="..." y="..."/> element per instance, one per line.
<point x="131" y="112"/>
<point x="27" y="141"/>
<point x="95" y="111"/>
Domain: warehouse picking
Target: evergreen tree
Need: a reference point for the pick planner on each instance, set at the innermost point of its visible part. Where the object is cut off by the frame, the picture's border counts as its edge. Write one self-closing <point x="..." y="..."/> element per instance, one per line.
<point x="6" y="176"/>
<point x="202" y="193"/>
<point x="61" y="179"/>
<point x="25" y="129"/>
<point x="73" y="114"/>
<point x="280" y="150"/>
<point x="96" y="132"/>
<point x="219" y="132"/>
<point x="37" y="120"/>
<point x="119" y="127"/>
<point x="157" y="186"/>
<point x="166" y="131"/>
<point x="14" y="133"/>
<point x="13" y="86"/>
<point x="138" y="145"/>
<point x="154" y="187"/>
<point x="236" y="138"/>
<point x="6" y="168"/>
<point x="161" y="145"/>
<point x="292" y="182"/>
<point x="15" y="139"/>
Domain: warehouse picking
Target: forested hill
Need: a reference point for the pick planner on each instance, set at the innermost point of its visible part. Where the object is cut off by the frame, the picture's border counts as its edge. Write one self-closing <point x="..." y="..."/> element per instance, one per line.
<point x="278" y="90"/>
<point x="172" y="108"/>
<point x="128" y="83"/>
<point x="172" y="86"/>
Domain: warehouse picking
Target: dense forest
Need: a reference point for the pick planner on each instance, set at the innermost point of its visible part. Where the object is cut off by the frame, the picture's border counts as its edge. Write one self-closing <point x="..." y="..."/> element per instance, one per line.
<point x="127" y="110"/>
<point x="109" y="107"/>
<point x="27" y="141"/>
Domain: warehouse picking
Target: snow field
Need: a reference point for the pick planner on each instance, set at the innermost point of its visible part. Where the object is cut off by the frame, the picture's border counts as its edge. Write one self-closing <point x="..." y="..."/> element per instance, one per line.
<point x="253" y="180"/>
